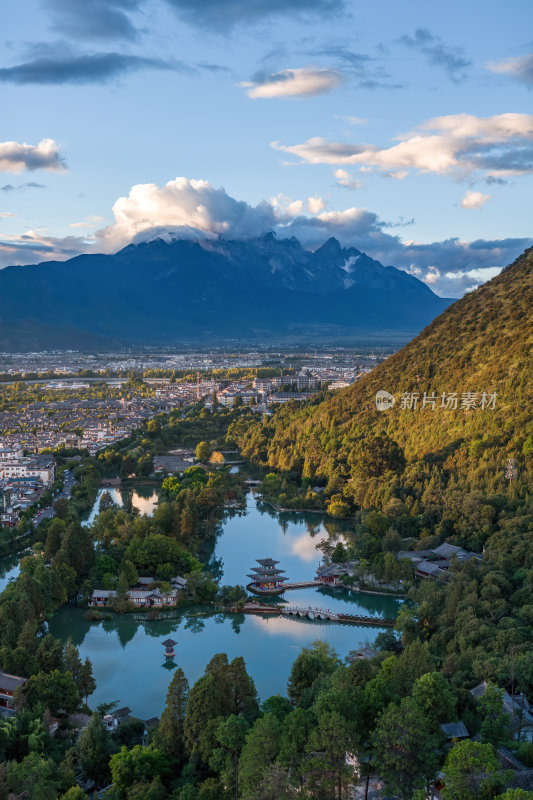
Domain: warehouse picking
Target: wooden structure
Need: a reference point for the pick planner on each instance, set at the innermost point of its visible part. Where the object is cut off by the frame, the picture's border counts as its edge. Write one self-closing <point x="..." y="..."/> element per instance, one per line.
<point x="266" y="579"/>
<point x="168" y="644"/>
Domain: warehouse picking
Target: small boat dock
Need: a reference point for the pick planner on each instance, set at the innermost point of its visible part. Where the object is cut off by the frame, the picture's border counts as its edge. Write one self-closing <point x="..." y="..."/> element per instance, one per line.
<point x="257" y="608"/>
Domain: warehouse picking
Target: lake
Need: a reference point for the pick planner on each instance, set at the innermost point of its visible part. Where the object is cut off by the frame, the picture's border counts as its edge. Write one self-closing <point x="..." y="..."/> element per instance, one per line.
<point x="127" y="654"/>
<point x="142" y="498"/>
<point x="9" y="568"/>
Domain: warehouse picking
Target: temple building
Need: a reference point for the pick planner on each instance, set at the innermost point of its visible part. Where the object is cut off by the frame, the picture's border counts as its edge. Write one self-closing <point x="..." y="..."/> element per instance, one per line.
<point x="266" y="579"/>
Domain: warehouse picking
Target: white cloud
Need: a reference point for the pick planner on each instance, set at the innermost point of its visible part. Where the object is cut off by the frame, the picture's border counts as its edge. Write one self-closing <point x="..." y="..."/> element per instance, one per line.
<point x="6" y="214"/>
<point x="345" y="179"/>
<point x="456" y="145"/>
<point x="474" y="199"/>
<point x="16" y="157"/>
<point x="33" y="246"/>
<point x="352" y="120"/>
<point x="520" y="68"/>
<point x="294" y="83"/>
<point x="397" y="174"/>
<point x="285" y="207"/>
<point x="88" y="222"/>
<point x="315" y="204"/>
<point x="190" y="208"/>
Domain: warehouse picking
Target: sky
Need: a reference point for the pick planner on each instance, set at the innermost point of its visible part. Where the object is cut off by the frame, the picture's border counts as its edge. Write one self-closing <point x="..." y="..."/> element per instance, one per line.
<point x="403" y="129"/>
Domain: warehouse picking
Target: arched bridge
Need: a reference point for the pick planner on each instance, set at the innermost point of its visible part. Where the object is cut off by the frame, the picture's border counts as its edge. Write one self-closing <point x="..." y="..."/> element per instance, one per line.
<point x="310" y="612"/>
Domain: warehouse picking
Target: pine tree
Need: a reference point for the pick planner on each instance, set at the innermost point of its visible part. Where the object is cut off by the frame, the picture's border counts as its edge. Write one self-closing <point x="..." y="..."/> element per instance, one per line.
<point x="169" y="735"/>
<point x="94" y="751"/>
<point x="87" y="683"/>
<point x="71" y="661"/>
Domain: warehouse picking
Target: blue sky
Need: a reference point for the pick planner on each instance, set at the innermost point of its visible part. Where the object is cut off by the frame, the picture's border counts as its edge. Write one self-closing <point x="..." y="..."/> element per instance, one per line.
<point x="404" y="129"/>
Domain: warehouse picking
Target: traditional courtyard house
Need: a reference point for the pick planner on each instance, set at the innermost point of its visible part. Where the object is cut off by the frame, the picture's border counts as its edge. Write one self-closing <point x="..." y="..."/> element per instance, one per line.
<point x="435" y="563"/>
<point x="454" y="731"/>
<point x="142" y="598"/>
<point x="333" y="574"/>
<point x="363" y="654"/>
<point x="8" y="685"/>
<point x="517" y="708"/>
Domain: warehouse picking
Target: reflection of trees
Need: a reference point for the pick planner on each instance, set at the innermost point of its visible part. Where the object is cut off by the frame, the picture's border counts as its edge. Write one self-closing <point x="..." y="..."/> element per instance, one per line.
<point x="65" y="625"/>
<point x="229" y="513"/>
<point x="127" y="501"/>
<point x="194" y="624"/>
<point x="161" y="627"/>
<point x="216" y="567"/>
<point x="339" y="529"/>
<point x="236" y="622"/>
<point x="266" y="508"/>
<point x="313" y="528"/>
<point x="126" y="630"/>
<point x="373" y="604"/>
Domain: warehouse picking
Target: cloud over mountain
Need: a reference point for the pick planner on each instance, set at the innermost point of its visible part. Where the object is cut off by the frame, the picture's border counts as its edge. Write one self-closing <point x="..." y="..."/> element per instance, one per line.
<point x="187" y="207"/>
<point x="16" y="157"/>
<point x="191" y="209"/>
<point x="293" y="83"/>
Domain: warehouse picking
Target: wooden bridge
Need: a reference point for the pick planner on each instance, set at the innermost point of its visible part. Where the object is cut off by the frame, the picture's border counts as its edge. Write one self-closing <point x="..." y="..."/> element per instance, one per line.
<point x="335" y="616"/>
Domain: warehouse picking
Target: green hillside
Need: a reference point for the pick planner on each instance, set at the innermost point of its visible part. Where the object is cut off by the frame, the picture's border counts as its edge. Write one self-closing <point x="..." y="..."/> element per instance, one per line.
<point x="412" y="479"/>
<point x="480" y="344"/>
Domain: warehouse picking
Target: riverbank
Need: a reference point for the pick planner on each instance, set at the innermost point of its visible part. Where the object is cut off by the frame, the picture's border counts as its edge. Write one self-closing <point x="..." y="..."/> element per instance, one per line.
<point x="383" y="592"/>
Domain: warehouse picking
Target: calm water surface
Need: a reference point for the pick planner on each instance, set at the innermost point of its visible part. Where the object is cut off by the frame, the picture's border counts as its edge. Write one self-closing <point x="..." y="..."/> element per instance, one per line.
<point x="127" y="653"/>
<point x="142" y="498"/>
<point x="9" y="568"/>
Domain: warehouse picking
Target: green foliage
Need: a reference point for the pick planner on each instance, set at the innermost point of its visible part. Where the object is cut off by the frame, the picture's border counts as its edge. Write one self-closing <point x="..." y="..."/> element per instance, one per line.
<point x="495" y="722"/>
<point x="37" y="773"/>
<point x="404" y="748"/>
<point x="308" y="672"/>
<point x="54" y="690"/>
<point x="467" y="767"/>
<point x="141" y="766"/>
<point x="169" y="736"/>
<point x="260" y="750"/>
<point x="94" y="749"/>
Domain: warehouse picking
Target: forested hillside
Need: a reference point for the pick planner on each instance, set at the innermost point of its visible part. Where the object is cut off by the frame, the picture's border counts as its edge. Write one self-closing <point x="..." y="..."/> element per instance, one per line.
<point x="481" y="344"/>
<point x="415" y="477"/>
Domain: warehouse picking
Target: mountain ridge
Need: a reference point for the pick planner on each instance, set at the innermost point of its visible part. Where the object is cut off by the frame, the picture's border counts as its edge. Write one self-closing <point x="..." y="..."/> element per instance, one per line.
<point x="168" y="291"/>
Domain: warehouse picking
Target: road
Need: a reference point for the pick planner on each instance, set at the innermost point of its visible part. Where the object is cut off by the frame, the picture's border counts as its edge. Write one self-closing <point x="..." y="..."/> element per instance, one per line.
<point x="49" y="512"/>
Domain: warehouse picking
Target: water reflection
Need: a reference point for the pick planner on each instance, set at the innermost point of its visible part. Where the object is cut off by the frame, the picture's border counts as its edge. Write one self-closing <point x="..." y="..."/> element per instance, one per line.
<point x="9" y="569"/>
<point x="142" y="499"/>
<point x="126" y="649"/>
